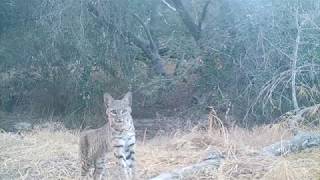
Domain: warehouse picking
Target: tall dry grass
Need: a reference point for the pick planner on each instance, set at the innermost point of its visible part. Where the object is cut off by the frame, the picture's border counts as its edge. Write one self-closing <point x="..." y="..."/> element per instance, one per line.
<point x="47" y="153"/>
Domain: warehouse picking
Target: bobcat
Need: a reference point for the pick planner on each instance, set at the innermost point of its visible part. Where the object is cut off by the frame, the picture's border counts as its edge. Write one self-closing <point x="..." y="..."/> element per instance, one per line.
<point x="116" y="136"/>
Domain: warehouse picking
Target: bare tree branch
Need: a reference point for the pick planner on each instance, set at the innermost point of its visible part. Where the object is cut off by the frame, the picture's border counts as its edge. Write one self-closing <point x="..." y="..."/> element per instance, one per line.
<point x="203" y="14"/>
<point x="147" y="30"/>
<point x="147" y="46"/>
<point x="187" y="19"/>
<point x="193" y="27"/>
<point x="168" y="5"/>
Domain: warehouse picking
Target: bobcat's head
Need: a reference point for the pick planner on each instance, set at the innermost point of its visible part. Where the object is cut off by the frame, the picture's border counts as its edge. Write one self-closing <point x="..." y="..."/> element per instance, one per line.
<point x="119" y="111"/>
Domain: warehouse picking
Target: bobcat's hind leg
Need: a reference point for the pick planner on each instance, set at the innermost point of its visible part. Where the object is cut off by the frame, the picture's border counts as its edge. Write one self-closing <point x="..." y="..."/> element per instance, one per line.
<point x="85" y="166"/>
<point x="100" y="168"/>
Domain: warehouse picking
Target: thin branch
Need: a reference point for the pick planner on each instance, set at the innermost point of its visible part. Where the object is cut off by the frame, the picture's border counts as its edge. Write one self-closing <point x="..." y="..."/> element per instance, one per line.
<point x="147" y="30"/>
<point x="278" y="49"/>
<point x="168" y="5"/>
<point x="294" y="62"/>
<point x="141" y="43"/>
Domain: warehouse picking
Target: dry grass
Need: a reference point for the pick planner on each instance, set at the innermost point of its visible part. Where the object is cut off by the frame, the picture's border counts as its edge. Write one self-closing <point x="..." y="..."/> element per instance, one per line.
<point x="47" y="154"/>
<point x="39" y="154"/>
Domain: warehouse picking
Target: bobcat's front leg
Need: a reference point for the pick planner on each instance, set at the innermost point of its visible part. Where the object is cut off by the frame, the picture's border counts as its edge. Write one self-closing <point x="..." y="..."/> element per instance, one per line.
<point x="120" y="156"/>
<point x="130" y="156"/>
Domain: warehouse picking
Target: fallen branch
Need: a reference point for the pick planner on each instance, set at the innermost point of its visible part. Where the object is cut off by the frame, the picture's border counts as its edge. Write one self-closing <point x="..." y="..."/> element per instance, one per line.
<point x="212" y="162"/>
<point x="295" y="118"/>
<point x="301" y="141"/>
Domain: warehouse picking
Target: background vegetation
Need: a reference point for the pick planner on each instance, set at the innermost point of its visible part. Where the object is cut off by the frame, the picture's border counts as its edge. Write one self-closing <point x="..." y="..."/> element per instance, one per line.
<point x="260" y="58"/>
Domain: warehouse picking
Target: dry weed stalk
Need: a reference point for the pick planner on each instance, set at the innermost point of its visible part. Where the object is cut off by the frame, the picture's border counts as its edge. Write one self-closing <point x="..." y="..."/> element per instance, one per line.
<point x="215" y="124"/>
<point x="45" y="154"/>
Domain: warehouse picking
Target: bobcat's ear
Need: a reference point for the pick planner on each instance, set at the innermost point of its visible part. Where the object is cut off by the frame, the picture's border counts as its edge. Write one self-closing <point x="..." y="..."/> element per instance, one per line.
<point x="107" y="99"/>
<point x="128" y="98"/>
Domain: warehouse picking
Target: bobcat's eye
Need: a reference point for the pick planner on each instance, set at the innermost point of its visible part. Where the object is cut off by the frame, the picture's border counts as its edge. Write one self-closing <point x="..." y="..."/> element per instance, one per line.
<point x="113" y="112"/>
<point x="124" y="111"/>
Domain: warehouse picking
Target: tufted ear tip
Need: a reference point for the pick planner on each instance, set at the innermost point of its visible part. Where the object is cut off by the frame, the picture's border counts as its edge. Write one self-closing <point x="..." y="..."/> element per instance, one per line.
<point x="129" y="94"/>
<point x="128" y="98"/>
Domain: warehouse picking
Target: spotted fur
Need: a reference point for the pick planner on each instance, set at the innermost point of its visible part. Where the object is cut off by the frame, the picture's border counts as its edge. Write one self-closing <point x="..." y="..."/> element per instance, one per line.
<point x="116" y="137"/>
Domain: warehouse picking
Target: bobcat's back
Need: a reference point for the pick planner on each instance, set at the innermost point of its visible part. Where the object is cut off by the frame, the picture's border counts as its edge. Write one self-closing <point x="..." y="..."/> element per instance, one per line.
<point x="94" y="143"/>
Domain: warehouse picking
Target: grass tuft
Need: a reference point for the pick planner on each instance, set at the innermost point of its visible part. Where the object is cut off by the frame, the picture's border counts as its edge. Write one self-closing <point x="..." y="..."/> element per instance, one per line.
<point x="46" y="153"/>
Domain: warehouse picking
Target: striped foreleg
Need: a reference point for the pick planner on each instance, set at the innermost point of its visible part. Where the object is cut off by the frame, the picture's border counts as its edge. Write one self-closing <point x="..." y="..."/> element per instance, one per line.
<point x="120" y="155"/>
<point x="130" y="157"/>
